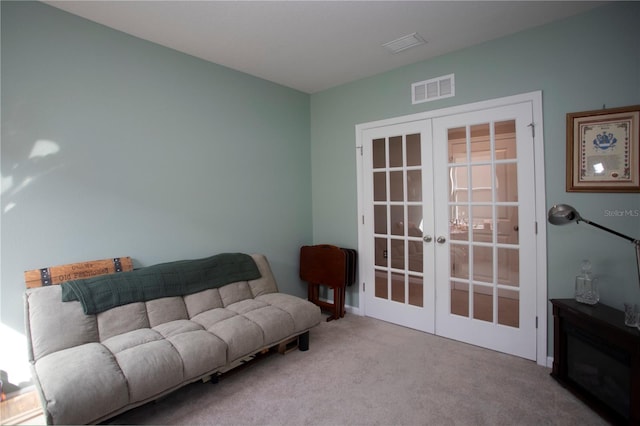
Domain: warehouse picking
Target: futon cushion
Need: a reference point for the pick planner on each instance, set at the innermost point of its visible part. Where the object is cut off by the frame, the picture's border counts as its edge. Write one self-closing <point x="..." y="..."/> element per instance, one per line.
<point x="275" y="323"/>
<point x="208" y="318"/>
<point x="150" y="368"/>
<point x="266" y="283"/>
<point x="82" y="383"/>
<point x="55" y="326"/>
<point x="166" y="309"/>
<point x="244" y="306"/>
<point x="303" y="315"/>
<point x="202" y="301"/>
<point x="129" y="340"/>
<point x="241" y="335"/>
<point x="232" y="293"/>
<point x="201" y="352"/>
<point x="172" y="328"/>
<point x="122" y="319"/>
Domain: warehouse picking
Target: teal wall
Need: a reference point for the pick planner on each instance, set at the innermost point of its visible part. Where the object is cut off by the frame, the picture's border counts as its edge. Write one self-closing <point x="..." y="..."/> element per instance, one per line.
<point x="158" y="155"/>
<point x="579" y="64"/>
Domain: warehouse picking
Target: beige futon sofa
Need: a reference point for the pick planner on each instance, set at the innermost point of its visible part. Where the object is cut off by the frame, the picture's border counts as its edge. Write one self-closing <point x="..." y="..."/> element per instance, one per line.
<point x="90" y="367"/>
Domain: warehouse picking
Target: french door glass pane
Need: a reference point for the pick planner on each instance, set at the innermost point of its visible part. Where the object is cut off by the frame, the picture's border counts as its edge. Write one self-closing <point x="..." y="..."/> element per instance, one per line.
<point x="507" y="190"/>
<point x="415" y="220"/>
<point x="397" y="287"/>
<point x="457" y="145"/>
<point x="397" y="254"/>
<point x="413" y="150"/>
<point x="458" y="184"/>
<point x="396" y="186"/>
<point x="506" y="139"/>
<point x="483" y="303"/>
<point x="459" y="260"/>
<point x="480" y="142"/>
<point x="381" y="252"/>
<point x="483" y="263"/>
<point x="509" y="308"/>
<point x="481" y="186"/>
<point x="508" y="224"/>
<point x="416" y="296"/>
<point x="482" y="223"/>
<point x="415" y="256"/>
<point x="382" y="288"/>
<point x="414" y="185"/>
<point x="415" y="246"/>
<point x="460" y="298"/>
<point x="380" y="219"/>
<point x="397" y="220"/>
<point x="395" y="151"/>
<point x="379" y="154"/>
<point x="508" y="266"/>
<point x="379" y="186"/>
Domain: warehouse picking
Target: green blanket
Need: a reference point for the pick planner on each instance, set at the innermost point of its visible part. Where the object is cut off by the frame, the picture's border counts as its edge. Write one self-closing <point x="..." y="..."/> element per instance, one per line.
<point x="101" y="293"/>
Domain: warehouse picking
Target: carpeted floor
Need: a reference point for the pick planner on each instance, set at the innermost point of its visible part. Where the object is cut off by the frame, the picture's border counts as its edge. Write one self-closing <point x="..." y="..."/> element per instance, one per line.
<point x="361" y="371"/>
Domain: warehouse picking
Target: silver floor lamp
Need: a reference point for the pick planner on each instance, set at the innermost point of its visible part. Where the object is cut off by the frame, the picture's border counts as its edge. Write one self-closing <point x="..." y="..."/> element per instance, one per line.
<point x="561" y="214"/>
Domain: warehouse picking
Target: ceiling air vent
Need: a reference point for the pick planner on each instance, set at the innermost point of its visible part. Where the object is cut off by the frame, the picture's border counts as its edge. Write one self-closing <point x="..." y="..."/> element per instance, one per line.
<point x="404" y="43"/>
<point x="430" y="90"/>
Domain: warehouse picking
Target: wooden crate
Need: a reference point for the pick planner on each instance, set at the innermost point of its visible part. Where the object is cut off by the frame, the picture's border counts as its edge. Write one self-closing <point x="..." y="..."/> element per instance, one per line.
<point x="288" y="346"/>
<point x="20" y="408"/>
<point x="54" y="275"/>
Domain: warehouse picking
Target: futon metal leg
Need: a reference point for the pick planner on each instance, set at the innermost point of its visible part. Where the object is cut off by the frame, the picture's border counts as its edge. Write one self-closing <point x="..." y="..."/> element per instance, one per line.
<point x="303" y="341"/>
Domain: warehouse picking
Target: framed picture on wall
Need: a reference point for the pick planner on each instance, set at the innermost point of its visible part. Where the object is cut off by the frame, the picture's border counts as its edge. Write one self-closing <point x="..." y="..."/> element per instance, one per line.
<point x="603" y="150"/>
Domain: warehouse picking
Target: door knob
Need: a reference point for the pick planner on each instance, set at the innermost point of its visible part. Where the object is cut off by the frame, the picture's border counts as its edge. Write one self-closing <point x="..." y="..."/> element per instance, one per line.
<point x="427" y="238"/>
<point x="441" y="240"/>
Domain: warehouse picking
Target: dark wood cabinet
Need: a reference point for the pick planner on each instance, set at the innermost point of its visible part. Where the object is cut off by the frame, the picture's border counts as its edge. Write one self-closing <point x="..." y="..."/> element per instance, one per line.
<point x="597" y="358"/>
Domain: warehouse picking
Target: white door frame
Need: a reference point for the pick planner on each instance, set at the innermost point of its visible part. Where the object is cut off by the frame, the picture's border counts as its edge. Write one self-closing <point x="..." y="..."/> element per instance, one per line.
<point x="535" y="98"/>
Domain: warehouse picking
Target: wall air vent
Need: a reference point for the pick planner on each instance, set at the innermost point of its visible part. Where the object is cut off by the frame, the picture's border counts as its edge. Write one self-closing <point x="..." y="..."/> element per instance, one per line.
<point x="436" y="88"/>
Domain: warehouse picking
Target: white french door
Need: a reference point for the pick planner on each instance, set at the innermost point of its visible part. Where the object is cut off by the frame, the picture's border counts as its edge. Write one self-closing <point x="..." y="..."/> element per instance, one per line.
<point x="487" y="291"/>
<point x="448" y="242"/>
<point x="399" y="187"/>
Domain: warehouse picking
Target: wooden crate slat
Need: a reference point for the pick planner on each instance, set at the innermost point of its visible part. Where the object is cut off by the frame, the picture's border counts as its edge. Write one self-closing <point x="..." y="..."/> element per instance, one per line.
<point x="54" y="275"/>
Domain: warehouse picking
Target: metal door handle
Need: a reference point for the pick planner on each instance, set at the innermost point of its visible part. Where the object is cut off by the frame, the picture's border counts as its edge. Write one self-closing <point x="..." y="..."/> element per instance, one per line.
<point x="427" y="238"/>
<point x="441" y="240"/>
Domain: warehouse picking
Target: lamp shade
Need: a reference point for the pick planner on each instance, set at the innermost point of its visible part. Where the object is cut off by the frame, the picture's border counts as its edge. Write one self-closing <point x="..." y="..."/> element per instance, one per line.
<point x="561" y="214"/>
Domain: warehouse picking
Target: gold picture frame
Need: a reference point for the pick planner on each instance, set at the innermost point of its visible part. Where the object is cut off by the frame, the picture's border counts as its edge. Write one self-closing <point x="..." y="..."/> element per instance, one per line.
<point x="603" y="150"/>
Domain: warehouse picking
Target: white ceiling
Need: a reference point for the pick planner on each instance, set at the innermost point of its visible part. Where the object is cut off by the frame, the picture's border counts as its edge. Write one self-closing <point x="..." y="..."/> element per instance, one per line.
<point x="315" y="45"/>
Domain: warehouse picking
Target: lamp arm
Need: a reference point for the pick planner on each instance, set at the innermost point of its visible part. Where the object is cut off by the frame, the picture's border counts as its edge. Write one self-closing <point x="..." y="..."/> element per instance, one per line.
<point x="635" y="242"/>
<point x="604" y="228"/>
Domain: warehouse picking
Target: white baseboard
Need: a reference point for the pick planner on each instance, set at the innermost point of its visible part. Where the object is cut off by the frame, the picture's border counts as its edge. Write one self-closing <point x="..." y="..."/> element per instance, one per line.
<point x="549" y="361"/>
<point x="354" y="310"/>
